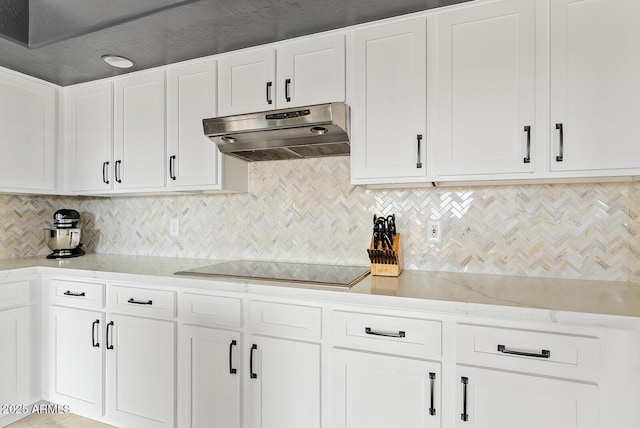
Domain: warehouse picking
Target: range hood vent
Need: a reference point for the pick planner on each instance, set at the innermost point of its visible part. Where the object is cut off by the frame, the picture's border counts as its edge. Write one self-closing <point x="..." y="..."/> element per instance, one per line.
<point x="294" y="133"/>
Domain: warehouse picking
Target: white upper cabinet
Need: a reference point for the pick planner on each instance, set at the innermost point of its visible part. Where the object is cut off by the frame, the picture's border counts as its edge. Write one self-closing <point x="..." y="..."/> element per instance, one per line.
<point x="193" y="159"/>
<point x="246" y="81"/>
<point x="485" y="115"/>
<point x="139" y="153"/>
<point x="309" y="71"/>
<point x="388" y="110"/>
<point x="27" y="134"/>
<point x="595" y="85"/>
<point x="89" y="134"/>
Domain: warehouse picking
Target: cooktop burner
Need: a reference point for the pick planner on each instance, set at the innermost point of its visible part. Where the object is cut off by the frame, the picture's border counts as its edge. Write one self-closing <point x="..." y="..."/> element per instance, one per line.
<point x="343" y="276"/>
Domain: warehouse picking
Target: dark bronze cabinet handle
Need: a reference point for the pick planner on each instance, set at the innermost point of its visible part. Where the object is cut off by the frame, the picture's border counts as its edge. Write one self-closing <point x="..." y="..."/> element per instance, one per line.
<point x="287" y="88"/>
<point x="172" y="167"/>
<point x="369" y="330"/>
<point x="560" y="129"/>
<point x="94" y="326"/>
<point x="419" y="163"/>
<point x="138" y="302"/>
<point x="543" y="354"/>
<point x="109" y="329"/>
<point x="465" y="381"/>
<point x="232" y="370"/>
<point x="432" y="381"/>
<point x="117" y="171"/>
<point x="252" y="374"/>
<point x="105" y="171"/>
<point x="269" y="85"/>
<point x="527" y="158"/>
<point x="74" y="294"/>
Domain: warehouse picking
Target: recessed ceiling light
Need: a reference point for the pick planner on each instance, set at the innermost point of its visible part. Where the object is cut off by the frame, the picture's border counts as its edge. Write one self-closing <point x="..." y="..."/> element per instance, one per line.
<point x="118" y="61"/>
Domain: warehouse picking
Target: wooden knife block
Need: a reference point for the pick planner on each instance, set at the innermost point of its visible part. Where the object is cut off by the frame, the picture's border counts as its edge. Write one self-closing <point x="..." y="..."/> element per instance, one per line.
<point x="389" y="269"/>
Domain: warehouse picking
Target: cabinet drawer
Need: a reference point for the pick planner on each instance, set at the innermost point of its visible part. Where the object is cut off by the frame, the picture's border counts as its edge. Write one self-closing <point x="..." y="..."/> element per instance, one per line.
<point x="545" y="353"/>
<point x="392" y="335"/>
<point x="284" y="319"/>
<point x="214" y="310"/>
<point x="142" y="301"/>
<point x="76" y="293"/>
<point x="14" y="294"/>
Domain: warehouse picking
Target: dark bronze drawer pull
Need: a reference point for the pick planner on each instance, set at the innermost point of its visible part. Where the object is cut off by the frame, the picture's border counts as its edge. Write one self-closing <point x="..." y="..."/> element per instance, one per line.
<point x="74" y="294"/>
<point x="137" y="302"/>
<point x="369" y="330"/>
<point x="543" y="354"/>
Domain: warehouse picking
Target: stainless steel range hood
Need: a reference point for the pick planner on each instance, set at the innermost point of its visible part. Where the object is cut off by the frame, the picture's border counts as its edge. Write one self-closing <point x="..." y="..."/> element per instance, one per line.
<point x="305" y="132"/>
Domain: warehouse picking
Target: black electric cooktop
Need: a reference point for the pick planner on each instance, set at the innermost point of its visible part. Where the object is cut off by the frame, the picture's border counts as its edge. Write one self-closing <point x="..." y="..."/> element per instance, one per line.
<point x="342" y="276"/>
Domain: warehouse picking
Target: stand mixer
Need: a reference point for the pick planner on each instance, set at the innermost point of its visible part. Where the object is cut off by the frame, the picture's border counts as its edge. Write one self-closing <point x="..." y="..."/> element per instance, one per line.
<point x="64" y="239"/>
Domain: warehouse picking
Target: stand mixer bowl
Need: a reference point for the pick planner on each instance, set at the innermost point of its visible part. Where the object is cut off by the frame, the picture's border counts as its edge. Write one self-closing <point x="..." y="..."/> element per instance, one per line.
<point x="62" y="239"/>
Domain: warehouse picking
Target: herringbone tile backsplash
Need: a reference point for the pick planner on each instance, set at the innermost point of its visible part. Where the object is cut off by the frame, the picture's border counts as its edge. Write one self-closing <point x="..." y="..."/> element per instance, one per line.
<point x="306" y="211"/>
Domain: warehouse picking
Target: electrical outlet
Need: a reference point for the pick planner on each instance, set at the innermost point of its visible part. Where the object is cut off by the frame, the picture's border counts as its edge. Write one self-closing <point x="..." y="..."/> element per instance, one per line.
<point x="434" y="231"/>
<point x="173" y="227"/>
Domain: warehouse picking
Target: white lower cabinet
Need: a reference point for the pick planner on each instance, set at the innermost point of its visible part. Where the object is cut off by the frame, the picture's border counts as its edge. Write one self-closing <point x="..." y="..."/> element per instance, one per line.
<point x="209" y="377"/>
<point x="283" y="388"/>
<point x="496" y="399"/>
<point x="140" y="371"/>
<point x="14" y="358"/>
<point x="380" y="391"/>
<point x="76" y="359"/>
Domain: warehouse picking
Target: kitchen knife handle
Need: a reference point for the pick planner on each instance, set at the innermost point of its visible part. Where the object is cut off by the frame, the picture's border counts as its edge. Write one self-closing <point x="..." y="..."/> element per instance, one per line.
<point x="138" y="302"/>
<point x="109" y="328"/>
<point x="543" y="354"/>
<point x="232" y="370"/>
<point x="465" y="381"/>
<point x="172" y="167"/>
<point x="95" y="324"/>
<point x="419" y="163"/>
<point x="74" y="294"/>
<point x="527" y="158"/>
<point x="252" y="375"/>
<point x="369" y="330"/>
<point x="287" y="89"/>
<point x="432" y="382"/>
<point x="117" y="171"/>
<point x="560" y="129"/>
<point x="105" y="171"/>
<point x="269" y="86"/>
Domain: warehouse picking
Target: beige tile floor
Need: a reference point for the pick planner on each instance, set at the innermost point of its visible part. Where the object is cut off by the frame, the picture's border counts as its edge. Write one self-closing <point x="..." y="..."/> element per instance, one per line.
<point x="60" y="420"/>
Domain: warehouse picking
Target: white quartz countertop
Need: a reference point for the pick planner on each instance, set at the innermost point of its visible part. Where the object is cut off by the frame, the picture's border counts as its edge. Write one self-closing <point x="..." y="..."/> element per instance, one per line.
<point x="442" y="291"/>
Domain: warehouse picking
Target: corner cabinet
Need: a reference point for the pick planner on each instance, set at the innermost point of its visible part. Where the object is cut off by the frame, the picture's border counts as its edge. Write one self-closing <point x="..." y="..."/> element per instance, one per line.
<point x="28" y="129"/>
<point x="194" y="161"/>
<point x="388" y="110"/>
<point x="594" y="86"/>
<point x="293" y="74"/>
<point x="485" y="90"/>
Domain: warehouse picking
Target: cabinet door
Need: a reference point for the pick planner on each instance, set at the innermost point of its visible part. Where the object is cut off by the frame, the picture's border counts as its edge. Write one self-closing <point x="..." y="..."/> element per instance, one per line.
<point x="193" y="159"/>
<point x="140" y="371"/>
<point x="209" y="378"/>
<point x="311" y="71"/>
<point x="27" y="127"/>
<point x="140" y="131"/>
<point x="486" y="89"/>
<point x="14" y="357"/>
<point x="76" y="360"/>
<point x="246" y="81"/>
<point x="594" y="84"/>
<point x="381" y="391"/>
<point x="89" y="133"/>
<point x="388" y="113"/>
<point x="504" y="399"/>
<point x="283" y="383"/>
